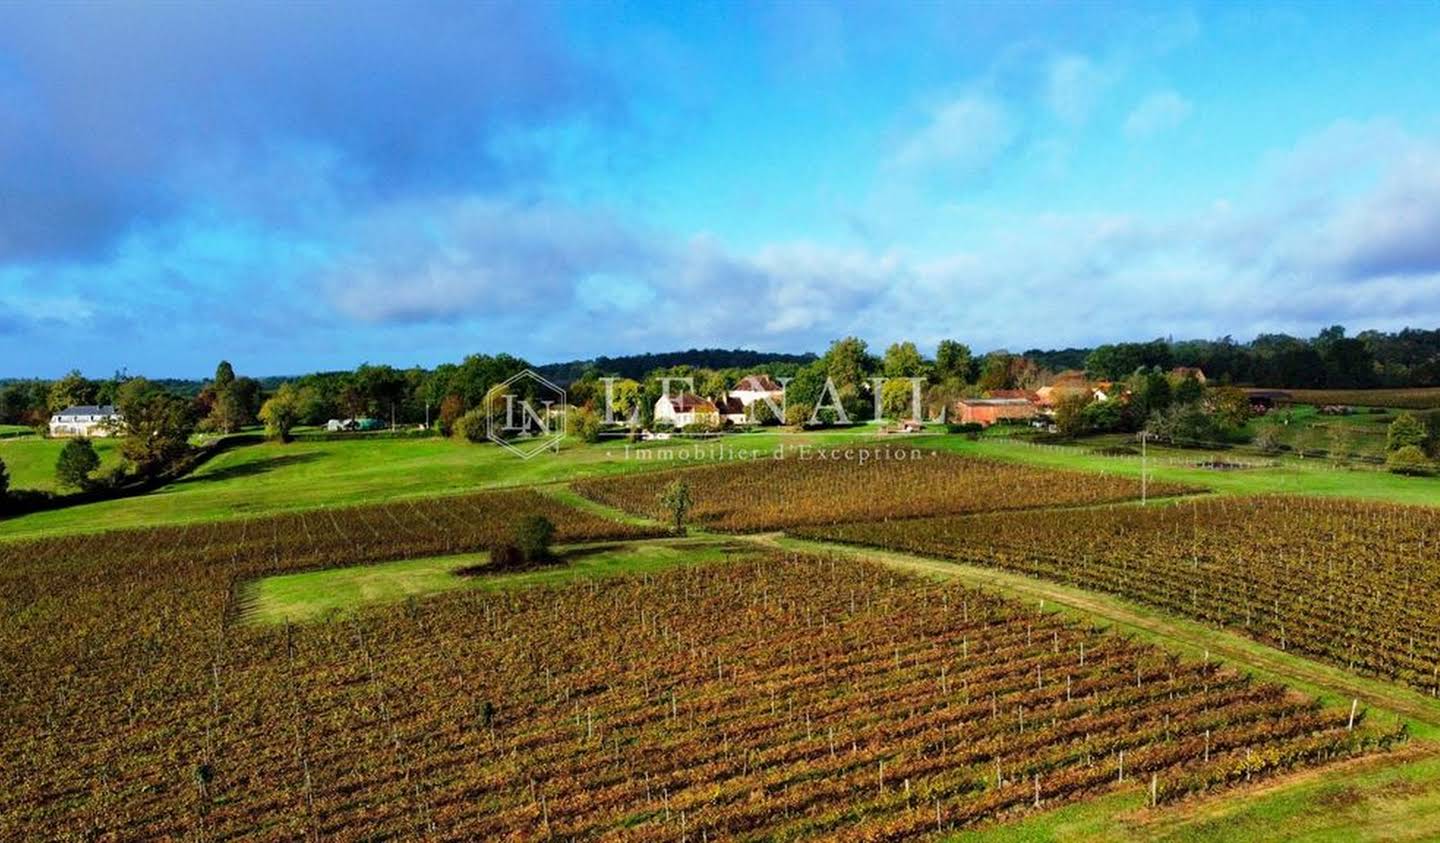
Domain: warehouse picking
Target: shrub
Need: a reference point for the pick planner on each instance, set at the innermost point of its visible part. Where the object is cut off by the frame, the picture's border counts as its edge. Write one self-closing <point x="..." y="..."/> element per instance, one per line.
<point x="703" y="425"/>
<point x="4" y="480"/>
<point x="471" y="426"/>
<point x="505" y="555"/>
<point x="1405" y="431"/>
<point x="77" y="460"/>
<point x="1267" y="439"/>
<point x="584" y="424"/>
<point x="533" y="536"/>
<point x="1409" y="460"/>
<point x="965" y="427"/>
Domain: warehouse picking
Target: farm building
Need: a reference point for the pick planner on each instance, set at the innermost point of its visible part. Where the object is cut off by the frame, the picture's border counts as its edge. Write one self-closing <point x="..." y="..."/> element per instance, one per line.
<point x="685" y="409"/>
<point x="988" y="411"/>
<point x="86" y="420"/>
<point x="732" y="410"/>
<point x="1183" y="372"/>
<point x="1023" y="394"/>
<point x="1263" y="401"/>
<point x="752" y="388"/>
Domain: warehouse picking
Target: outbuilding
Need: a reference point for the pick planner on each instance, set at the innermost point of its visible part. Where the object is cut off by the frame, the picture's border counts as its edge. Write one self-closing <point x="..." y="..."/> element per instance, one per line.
<point x="988" y="411"/>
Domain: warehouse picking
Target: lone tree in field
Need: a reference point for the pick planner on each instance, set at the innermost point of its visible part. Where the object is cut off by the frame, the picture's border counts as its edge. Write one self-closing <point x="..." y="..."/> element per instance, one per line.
<point x="677" y="501"/>
<point x="77" y="460"/>
<point x="533" y="536"/>
<point x="281" y="413"/>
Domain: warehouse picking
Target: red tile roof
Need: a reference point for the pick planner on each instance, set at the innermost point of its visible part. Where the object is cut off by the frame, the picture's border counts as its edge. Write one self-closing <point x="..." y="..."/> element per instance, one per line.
<point x="757" y="383"/>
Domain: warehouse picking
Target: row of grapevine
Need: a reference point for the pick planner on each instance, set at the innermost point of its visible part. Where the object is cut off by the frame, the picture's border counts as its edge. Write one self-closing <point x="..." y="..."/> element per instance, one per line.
<point x="862" y="483"/>
<point x="779" y="697"/>
<point x="1355" y="584"/>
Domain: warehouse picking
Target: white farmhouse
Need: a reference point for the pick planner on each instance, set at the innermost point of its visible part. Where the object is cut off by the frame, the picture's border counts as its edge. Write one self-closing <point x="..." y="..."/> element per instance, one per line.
<point x="87" y="420"/>
<point x="752" y="388"/>
<point x="685" y="409"/>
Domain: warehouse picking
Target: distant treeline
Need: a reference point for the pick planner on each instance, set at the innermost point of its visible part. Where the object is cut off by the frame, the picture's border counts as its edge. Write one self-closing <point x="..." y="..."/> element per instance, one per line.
<point x="1329" y="360"/>
<point x="637" y="366"/>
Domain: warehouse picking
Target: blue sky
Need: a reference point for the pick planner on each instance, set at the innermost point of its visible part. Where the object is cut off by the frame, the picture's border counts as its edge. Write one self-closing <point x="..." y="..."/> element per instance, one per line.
<point x="309" y="186"/>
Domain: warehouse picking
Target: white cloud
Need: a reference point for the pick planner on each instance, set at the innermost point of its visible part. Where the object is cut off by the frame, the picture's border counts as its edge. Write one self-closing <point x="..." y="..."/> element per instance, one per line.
<point x="961" y="139"/>
<point x="1073" y="86"/>
<point x="1156" y="114"/>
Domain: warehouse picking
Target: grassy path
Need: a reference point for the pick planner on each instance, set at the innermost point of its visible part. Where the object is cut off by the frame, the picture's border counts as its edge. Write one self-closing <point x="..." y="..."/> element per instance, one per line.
<point x="315" y="595"/>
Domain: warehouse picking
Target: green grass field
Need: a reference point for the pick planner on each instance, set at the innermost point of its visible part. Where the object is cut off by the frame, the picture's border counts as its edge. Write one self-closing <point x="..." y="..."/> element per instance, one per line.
<point x="317" y="594"/>
<point x="301" y="475"/>
<point x="31" y="459"/>
<point x="272" y="477"/>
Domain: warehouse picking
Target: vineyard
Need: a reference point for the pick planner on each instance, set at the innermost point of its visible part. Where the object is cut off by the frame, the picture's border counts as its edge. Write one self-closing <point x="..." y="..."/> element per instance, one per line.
<point x="1355" y="584"/>
<point x="773" y="494"/>
<point x="785" y="698"/>
<point x="1418" y="398"/>
<point x="321" y="538"/>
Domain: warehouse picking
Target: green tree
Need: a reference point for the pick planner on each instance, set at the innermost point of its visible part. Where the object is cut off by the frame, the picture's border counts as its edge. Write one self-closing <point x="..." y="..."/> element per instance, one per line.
<point x="77" y="460"/>
<point x="158" y="426"/>
<point x="1189" y="390"/>
<point x="1104" y="416"/>
<point x="1070" y="413"/>
<point x="897" y="399"/>
<point x="676" y="500"/>
<point x="224" y="376"/>
<point x="1405" y="431"/>
<point x="1230" y="405"/>
<point x="903" y="360"/>
<point x="1149" y="394"/>
<point x="625" y="396"/>
<point x="69" y="391"/>
<point x="953" y="361"/>
<point x="584" y="424"/>
<point x="533" y="536"/>
<point x="1409" y="459"/>
<point x="4" y="482"/>
<point x="995" y="372"/>
<point x="282" y="412"/>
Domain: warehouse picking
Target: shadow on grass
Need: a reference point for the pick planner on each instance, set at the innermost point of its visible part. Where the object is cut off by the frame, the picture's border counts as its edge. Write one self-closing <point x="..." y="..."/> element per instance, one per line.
<point x="251" y="469"/>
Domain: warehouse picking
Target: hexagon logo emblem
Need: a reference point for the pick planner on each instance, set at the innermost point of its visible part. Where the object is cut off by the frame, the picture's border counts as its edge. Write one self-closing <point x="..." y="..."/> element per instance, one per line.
<point x="525" y="414"/>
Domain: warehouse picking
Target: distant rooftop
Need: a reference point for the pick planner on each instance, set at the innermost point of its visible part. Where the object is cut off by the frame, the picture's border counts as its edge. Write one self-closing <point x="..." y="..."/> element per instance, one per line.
<point x="88" y="410"/>
<point x="994" y="402"/>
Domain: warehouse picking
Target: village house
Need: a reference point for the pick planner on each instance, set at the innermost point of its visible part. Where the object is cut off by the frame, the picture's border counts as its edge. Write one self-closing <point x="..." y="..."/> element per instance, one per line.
<point x="86" y="420"/>
<point x="988" y="411"/>
<point x="732" y="410"/>
<point x="752" y="388"/>
<point x="685" y="409"/>
<point x="1180" y="373"/>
